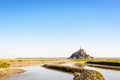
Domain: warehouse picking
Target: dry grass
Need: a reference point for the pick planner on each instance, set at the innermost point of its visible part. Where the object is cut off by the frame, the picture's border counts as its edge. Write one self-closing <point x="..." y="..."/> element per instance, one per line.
<point x="10" y="71"/>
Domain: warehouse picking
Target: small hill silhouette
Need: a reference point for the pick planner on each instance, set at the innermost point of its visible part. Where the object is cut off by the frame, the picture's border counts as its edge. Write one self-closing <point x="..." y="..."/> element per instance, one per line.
<point x="80" y="54"/>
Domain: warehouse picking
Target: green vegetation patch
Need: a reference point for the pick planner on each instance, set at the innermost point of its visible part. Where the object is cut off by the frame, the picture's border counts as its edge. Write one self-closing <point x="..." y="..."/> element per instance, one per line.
<point x="110" y="62"/>
<point x="105" y="62"/>
<point x="4" y="65"/>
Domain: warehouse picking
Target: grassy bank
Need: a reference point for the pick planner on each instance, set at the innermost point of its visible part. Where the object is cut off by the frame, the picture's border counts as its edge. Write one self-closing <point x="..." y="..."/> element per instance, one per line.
<point x="8" y="66"/>
<point x="105" y="63"/>
<point x="10" y="71"/>
<point x="29" y="61"/>
<point x="100" y="63"/>
<point x="97" y="60"/>
<point x="6" y="69"/>
<point x="104" y="66"/>
<point x="4" y="64"/>
<point x="85" y="74"/>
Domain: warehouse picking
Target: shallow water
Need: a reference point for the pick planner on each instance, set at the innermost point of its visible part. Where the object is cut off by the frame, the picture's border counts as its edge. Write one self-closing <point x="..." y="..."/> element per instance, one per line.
<point x="107" y="73"/>
<point x="40" y="73"/>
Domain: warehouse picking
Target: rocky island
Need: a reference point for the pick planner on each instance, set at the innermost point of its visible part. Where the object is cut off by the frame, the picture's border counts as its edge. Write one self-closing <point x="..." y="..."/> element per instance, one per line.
<point x="80" y="54"/>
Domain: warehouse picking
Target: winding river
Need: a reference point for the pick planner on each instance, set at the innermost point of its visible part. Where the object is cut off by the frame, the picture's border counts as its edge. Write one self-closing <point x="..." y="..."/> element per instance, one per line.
<point x="40" y="73"/>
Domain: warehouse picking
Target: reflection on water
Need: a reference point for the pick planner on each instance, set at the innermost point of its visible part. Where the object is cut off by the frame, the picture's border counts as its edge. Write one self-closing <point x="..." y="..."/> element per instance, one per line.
<point x="39" y="73"/>
<point x="108" y="74"/>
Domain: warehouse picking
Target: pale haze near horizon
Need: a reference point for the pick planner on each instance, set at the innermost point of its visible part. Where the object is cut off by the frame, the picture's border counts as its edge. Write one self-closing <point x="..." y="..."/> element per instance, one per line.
<point x="57" y="28"/>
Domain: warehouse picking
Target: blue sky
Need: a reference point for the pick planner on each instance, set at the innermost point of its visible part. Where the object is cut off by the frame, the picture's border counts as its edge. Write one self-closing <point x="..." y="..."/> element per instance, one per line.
<point x="57" y="28"/>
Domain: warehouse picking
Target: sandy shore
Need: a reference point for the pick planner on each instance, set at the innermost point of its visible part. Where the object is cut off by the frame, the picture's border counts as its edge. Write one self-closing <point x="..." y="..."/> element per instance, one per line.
<point x="10" y="71"/>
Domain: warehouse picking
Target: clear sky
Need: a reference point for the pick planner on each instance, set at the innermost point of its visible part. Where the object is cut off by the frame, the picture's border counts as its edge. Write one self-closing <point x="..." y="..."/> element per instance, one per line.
<point x="57" y="28"/>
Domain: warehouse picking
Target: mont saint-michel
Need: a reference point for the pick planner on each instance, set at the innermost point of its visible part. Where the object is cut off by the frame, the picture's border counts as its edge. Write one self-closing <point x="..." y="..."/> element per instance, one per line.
<point x="80" y="54"/>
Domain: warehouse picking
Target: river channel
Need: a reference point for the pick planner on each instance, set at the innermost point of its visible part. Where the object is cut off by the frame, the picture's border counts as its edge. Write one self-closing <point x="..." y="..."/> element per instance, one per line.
<point x="40" y="73"/>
